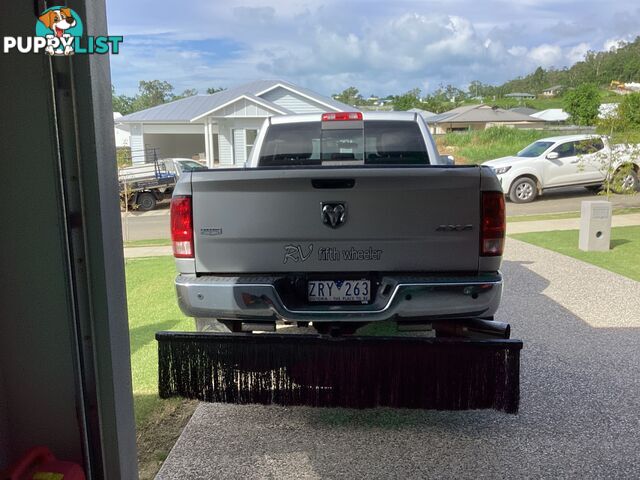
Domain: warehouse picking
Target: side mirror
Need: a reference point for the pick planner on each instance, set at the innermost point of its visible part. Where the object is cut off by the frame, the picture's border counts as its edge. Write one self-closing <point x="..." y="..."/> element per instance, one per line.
<point x="448" y="159"/>
<point x="553" y="156"/>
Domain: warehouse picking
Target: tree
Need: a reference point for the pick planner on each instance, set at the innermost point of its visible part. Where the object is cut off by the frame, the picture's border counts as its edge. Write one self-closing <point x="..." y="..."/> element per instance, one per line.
<point x="152" y="93"/>
<point x="454" y="94"/>
<point x="350" y="96"/>
<point x="614" y="162"/>
<point x="538" y="79"/>
<point x="408" y="100"/>
<point x="189" y="92"/>
<point x="212" y="90"/>
<point x="629" y="110"/>
<point x="478" y="89"/>
<point x="582" y="104"/>
<point x="121" y="103"/>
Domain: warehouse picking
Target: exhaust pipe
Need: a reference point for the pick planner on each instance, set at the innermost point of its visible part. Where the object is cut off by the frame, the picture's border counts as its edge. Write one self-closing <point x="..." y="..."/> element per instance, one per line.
<point x="473" y="328"/>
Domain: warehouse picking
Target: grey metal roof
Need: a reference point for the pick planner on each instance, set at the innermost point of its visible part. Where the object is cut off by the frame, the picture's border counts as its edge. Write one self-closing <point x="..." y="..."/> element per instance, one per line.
<point x="186" y="109"/>
<point x="480" y="114"/>
<point x="524" y="110"/>
<point x="424" y="113"/>
<point x="520" y="95"/>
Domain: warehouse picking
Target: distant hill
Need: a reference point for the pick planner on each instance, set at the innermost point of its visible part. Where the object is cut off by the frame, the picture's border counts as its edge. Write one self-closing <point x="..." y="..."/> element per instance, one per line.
<point x="600" y="68"/>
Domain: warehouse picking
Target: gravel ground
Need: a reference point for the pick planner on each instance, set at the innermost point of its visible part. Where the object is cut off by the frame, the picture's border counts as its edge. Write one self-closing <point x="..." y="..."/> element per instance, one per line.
<point x="579" y="416"/>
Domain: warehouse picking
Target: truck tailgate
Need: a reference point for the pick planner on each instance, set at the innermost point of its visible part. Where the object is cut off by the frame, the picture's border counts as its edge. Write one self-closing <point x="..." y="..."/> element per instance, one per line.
<point x="396" y="219"/>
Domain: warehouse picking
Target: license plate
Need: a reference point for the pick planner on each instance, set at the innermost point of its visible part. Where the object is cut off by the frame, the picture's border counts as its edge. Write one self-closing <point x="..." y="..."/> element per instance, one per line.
<point x="339" y="291"/>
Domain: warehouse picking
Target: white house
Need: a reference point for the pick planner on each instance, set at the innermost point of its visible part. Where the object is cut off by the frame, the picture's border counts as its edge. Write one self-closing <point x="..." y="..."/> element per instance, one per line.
<point x="552" y="91"/>
<point x="478" y="117"/>
<point x="221" y="127"/>
<point x="122" y="136"/>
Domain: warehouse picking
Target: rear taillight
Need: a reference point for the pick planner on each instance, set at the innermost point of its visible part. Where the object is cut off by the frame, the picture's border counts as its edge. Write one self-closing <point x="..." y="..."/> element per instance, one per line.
<point x="182" y="227"/>
<point x="341" y="116"/>
<point x="493" y="224"/>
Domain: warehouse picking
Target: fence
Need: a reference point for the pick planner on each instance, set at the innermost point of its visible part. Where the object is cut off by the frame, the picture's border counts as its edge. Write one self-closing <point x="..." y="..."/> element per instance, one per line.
<point x="128" y="156"/>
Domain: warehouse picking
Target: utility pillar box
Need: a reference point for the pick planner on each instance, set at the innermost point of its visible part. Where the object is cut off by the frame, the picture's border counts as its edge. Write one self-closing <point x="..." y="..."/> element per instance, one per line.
<point x="595" y="226"/>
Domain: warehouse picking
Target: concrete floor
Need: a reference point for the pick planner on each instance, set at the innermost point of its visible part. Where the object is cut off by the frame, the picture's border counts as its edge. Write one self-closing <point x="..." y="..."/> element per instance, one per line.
<point x="579" y="417"/>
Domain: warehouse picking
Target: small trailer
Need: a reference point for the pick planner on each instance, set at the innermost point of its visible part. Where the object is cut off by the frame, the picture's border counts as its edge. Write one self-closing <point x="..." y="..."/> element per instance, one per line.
<point x="143" y="186"/>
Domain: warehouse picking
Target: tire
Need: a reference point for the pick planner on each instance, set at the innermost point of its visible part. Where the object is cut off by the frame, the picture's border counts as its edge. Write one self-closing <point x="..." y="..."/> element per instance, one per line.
<point x="523" y="190"/>
<point x="204" y="324"/>
<point x="628" y="182"/>
<point x="146" y="201"/>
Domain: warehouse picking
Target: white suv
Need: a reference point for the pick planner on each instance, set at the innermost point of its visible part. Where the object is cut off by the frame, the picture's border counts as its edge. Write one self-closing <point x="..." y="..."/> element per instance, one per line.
<point x="571" y="160"/>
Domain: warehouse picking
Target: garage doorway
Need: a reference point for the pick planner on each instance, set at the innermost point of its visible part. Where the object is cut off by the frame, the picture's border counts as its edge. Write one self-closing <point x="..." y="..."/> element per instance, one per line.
<point x="180" y="145"/>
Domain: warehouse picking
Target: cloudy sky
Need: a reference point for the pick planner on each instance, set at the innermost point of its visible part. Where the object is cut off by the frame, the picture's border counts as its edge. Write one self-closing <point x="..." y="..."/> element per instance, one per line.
<point x="381" y="47"/>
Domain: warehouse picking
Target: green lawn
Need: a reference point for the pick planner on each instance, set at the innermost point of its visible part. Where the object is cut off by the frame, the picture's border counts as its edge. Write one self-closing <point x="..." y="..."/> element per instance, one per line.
<point x="157" y="242"/>
<point x="482" y="145"/>
<point x="623" y="258"/>
<point x="152" y="307"/>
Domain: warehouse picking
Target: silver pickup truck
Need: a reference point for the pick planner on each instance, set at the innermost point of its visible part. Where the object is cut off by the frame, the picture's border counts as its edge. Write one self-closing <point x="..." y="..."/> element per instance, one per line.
<point x="339" y="219"/>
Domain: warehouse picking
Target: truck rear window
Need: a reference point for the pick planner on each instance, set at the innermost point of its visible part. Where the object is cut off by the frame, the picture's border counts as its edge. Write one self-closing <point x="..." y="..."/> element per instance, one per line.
<point x="379" y="142"/>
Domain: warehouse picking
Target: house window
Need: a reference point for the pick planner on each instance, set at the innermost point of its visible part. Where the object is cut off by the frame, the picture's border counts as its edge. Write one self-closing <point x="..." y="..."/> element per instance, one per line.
<point x="250" y="136"/>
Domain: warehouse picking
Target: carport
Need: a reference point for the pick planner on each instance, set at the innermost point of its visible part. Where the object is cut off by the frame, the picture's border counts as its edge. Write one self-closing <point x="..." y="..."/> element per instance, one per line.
<point x="169" y="141"/>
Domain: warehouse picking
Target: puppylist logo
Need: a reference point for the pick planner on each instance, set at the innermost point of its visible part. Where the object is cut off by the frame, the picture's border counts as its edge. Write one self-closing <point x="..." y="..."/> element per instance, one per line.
<point x="59" y="32"/>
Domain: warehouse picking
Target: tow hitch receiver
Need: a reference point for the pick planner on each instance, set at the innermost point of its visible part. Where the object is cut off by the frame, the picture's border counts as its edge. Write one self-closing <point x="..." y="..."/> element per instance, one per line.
<point x="348" y="371"/>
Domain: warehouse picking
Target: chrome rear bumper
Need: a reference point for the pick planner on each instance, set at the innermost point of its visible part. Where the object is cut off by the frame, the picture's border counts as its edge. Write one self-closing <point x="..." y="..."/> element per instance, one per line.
<point x="415" y="297"/>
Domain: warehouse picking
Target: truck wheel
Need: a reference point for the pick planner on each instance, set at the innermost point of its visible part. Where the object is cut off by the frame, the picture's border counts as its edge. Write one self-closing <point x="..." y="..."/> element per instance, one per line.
<point x="523" y="190"/>
<point x="146" y="201"/>
<point x="626" y="182"/>
<point x="204" y="324"/>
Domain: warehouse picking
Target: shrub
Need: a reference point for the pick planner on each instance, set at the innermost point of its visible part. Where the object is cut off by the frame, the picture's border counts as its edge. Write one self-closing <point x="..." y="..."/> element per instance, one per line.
<point x="629" y="110"/>
<point x="582" y="104"/>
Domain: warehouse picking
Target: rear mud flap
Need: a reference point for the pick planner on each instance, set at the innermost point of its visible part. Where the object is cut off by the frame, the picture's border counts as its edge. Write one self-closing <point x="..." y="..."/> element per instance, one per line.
<point x="350" y="371"/>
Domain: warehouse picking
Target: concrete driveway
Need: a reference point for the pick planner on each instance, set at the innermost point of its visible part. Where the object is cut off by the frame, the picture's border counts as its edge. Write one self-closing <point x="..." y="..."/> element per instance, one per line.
<point x="579" y="417"/>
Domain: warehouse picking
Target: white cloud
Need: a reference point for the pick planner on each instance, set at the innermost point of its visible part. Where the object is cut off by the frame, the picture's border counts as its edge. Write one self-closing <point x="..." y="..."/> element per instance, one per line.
<point x="546" y="55"/>
<point x="615" y="43"/>
<point x="411" y="50"/>
<point x="518" y="51"/>
<point x="577" y="53"/>
<point x="380" y="47"/>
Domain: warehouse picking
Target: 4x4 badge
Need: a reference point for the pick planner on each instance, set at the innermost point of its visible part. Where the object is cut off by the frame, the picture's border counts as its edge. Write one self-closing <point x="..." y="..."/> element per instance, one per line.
<point x="334" y="214"/>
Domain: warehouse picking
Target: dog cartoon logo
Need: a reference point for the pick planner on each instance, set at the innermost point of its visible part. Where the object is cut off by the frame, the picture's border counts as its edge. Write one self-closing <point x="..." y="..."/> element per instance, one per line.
<point x="60" y="26"/>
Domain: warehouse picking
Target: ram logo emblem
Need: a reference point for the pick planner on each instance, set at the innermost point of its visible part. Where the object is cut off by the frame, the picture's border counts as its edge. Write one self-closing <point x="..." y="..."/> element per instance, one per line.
<point x="334" y="214"/>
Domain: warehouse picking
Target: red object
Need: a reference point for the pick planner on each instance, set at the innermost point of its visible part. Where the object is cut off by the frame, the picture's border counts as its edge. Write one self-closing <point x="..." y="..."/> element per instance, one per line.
<point x="341" y="116"/>
<point x="182" y="227"/>
<point x="40" y="464"/>
<point x="493" y="224"/>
